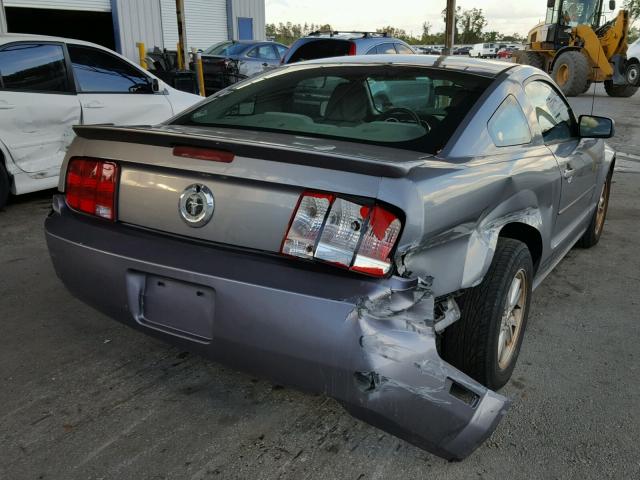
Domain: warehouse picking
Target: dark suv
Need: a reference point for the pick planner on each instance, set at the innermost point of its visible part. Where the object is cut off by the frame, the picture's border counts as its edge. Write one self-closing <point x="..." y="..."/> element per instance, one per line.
<point x="339" y="44"/>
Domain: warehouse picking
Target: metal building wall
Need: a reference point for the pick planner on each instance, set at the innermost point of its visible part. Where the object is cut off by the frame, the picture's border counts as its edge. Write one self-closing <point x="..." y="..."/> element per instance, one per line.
<point x="136" y="21"/>
<point x="206" y="22"/>
<point x="3" y="19"/>
<point x="169" y="23"/>
<point x="251" y="9"/>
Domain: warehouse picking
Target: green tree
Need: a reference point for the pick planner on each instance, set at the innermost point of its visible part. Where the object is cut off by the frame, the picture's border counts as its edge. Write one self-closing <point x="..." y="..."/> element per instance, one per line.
<point x="426" y="32"/>
<point x="472" y="23"/>
<point x="634" y="8"/>
<point x="492" y="36"/>
<point x="468" y="24"/>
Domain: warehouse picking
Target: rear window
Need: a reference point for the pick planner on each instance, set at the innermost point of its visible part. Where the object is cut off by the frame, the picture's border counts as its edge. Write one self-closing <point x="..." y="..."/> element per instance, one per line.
<point x="321" y="48"/>
<point x="226" y="49"/>
<point x="403" y="107"/>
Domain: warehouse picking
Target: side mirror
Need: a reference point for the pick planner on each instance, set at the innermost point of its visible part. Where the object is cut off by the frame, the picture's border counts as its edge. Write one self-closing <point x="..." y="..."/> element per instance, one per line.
<point x="596" y="127"/>
<point x="551" y="3"/>
<point x="612" y="5"/>
<point x="155" y="85"/>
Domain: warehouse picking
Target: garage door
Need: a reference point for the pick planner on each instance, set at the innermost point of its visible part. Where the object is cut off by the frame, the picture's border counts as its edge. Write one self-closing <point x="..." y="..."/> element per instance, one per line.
<point x="206" y="22"/>
<point x="86" y="5"/>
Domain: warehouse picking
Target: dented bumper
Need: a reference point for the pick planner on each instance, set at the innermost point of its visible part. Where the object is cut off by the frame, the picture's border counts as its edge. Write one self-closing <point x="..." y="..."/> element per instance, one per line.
<point x="370" y="344"/>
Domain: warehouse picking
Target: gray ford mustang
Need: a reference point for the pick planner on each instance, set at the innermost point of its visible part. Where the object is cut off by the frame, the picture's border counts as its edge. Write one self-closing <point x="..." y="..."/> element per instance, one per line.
<point x="366" y="227"/>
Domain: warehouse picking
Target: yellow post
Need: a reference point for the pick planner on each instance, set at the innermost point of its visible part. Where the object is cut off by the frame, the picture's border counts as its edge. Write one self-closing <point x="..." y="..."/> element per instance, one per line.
<point x="142" y="53"/>
<point x="200" y="73"/>
<point x="180" y="59"/>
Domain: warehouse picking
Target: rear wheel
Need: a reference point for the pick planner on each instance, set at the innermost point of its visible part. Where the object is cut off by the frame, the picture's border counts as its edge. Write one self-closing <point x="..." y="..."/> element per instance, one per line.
<point x="531" y="58"/>
<point x="571" y="72"/>
<point x="621" y="91"/>
<point x="592" y="236"/>
<point x="4" y="186"/>
<point x="486" y="341"/>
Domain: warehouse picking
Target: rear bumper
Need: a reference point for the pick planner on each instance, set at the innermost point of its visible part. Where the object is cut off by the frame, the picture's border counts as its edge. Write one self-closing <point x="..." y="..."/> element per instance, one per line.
<point x="367" y="343"/>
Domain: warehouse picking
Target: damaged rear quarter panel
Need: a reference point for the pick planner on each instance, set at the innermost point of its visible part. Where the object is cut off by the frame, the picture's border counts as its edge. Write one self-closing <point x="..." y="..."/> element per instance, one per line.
<point x="464" y="201"/>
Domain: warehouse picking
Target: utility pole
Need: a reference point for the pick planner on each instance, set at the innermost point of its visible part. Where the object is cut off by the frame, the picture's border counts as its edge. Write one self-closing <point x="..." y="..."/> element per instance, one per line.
<point x="450" y="27"/>
<point x="183" y="48"/>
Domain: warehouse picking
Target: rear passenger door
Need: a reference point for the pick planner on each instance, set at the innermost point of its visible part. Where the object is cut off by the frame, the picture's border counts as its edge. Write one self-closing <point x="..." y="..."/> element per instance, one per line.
<point x="111" y="90"/>
<point x="259" y="59"/>
<point x="38" y="105"/>
<point x="577" y="158"/>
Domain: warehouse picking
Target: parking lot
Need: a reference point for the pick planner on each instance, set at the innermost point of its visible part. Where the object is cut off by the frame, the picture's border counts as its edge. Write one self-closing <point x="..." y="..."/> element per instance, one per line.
<point x="85" y="397"/>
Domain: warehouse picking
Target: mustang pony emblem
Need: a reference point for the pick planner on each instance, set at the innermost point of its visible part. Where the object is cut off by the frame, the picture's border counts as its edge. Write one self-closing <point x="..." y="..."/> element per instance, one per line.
<point x="196" y="205"/>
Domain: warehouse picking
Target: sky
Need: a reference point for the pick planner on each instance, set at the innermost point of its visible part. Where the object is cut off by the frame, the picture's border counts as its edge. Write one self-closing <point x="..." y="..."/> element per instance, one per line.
<point x="504" y="16"/>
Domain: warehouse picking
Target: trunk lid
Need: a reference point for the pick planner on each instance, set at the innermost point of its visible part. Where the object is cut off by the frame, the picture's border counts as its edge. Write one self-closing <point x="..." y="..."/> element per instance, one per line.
<point x="254" y="195"/>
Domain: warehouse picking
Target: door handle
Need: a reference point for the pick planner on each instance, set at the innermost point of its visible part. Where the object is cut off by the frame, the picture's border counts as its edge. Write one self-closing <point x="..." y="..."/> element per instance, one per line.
<point x="94" y="104"/>
<point x="568" y="173"/>
<point x="265" y="64"/>
<point x="4" y="105"/>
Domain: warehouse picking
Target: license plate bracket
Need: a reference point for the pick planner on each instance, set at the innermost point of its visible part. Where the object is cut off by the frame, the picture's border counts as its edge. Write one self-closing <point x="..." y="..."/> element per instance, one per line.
<point x="173" y="306"/>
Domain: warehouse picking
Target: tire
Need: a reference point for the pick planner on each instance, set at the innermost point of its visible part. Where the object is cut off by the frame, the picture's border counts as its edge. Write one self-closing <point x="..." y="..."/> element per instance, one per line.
<point x="632" y="74"/>
<point x="596" y="226"/>
<point x="620" y="91"/>
<point x="472" y="343"/>
<point x="571" y="72"/>
<point x="4" y="186"/>
<point x="587" y="86"/>
<point x="531" y="58"/>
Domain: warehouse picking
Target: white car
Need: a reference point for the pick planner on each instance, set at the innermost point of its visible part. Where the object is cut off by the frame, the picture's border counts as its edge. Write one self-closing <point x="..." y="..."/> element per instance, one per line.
<point x="49" y="84"/>
<point x="484" y="50"/>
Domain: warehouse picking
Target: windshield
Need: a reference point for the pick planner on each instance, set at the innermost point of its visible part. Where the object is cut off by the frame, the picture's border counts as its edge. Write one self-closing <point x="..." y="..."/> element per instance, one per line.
<point x="226" y="49"/>
<point x="398" y="106"/>
<point x="577" y="12"/>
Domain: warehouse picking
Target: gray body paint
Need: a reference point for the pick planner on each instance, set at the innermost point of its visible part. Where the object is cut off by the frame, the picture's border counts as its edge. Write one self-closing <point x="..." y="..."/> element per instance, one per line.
<point x="369" y="343"/>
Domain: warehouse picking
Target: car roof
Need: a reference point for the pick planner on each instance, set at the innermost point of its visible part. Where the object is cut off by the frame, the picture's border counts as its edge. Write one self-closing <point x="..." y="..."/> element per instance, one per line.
<point x="486" y="68"/>
<point x="247" y="42"/>
<point x="356" y="37"/>
<point x="27" y="37"/>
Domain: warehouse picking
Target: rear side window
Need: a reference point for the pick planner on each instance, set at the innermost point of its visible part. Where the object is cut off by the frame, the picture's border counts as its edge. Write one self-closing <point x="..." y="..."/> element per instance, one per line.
<point x="265" y="52"/>
<point x="31" y="67"/>
<point x="412" y="108"/>
<point x="509" y="126"/>
<point x="100" y="72"/>
<point x="386" y="48"/>
<point x="321" y="48"/>
<point x="226" y="49"/>
<point x="554" y="117"/>
<point x="403" y="49"/>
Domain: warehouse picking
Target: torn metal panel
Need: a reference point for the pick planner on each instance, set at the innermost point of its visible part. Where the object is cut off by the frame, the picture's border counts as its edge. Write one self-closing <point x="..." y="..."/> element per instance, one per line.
<point x="449" y="314"/>
<point x="406" y="375"/>
<point x="461" y="255"/>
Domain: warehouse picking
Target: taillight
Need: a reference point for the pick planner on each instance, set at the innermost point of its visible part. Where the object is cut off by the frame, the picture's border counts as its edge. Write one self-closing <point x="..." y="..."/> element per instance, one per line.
<point x="352" y="48"/>
<point x="91" y="186"/>
<point x="343" y="233"/>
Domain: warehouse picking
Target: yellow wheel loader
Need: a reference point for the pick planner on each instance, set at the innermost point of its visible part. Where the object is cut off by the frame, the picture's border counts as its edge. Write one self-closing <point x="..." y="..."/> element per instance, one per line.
<point x="578" y="48"/>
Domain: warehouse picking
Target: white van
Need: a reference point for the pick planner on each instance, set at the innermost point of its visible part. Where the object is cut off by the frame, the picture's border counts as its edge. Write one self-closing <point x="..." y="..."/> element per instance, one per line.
<point x="484" y="50"/>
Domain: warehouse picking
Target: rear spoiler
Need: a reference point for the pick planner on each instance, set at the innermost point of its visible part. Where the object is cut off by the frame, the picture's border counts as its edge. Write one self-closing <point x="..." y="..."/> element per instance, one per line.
<point x="147" y="135"/>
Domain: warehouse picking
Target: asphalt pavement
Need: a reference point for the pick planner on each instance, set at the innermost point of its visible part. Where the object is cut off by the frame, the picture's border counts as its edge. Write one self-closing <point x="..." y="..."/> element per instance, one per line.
<point x="83" y="397"/>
